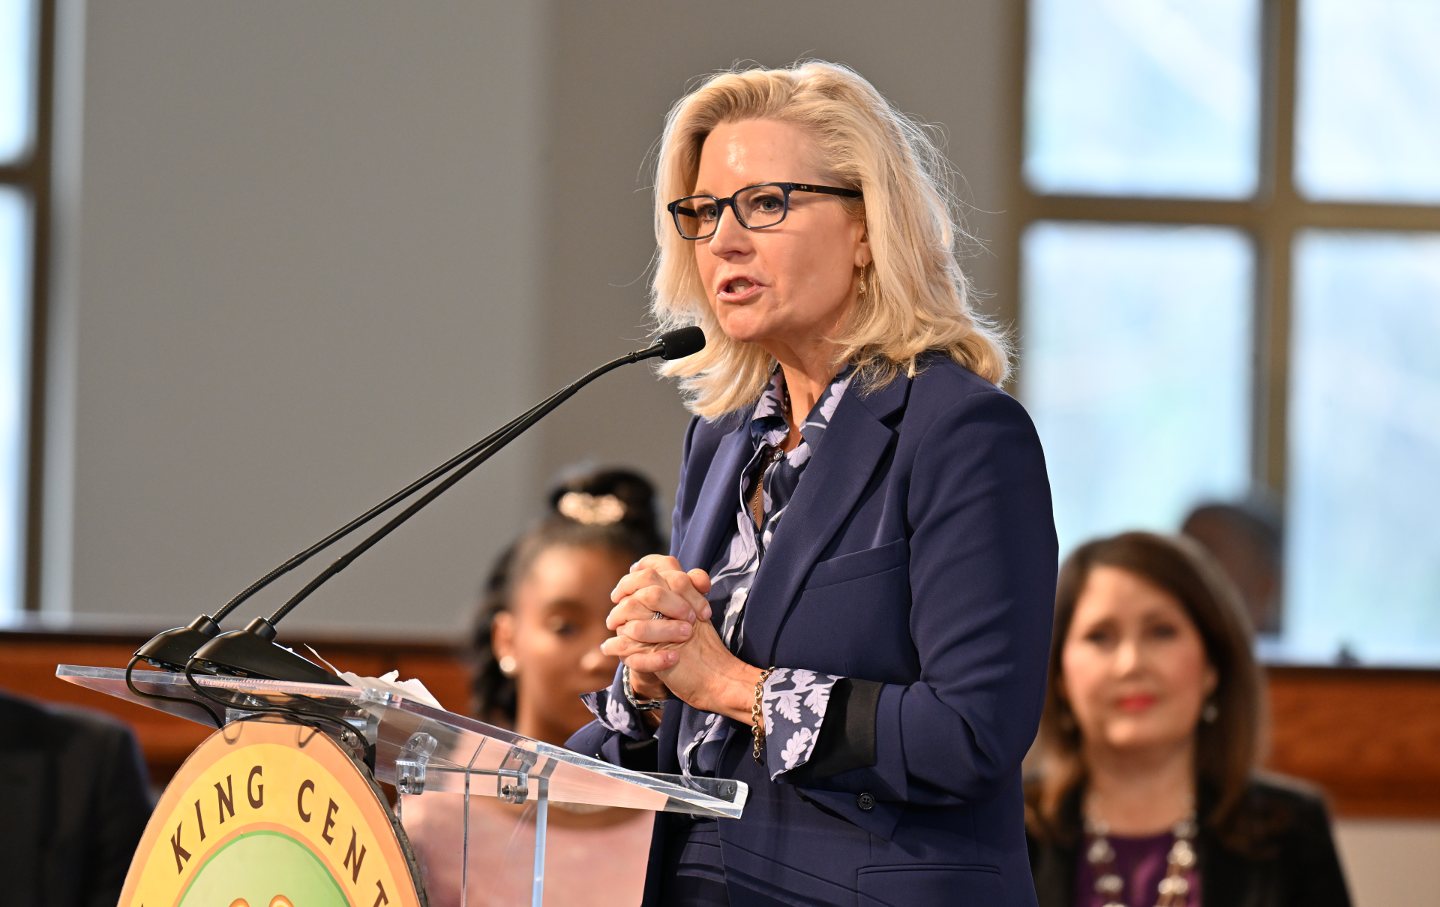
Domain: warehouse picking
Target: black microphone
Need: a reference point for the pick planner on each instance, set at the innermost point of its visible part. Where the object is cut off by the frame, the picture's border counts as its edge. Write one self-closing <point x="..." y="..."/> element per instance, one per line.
<point x="676" y="344"/>
<point x="252" y="653"/>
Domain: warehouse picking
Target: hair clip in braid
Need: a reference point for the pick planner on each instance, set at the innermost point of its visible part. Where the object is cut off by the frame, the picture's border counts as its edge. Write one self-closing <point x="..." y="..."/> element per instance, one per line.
<point x="591" y="509"/>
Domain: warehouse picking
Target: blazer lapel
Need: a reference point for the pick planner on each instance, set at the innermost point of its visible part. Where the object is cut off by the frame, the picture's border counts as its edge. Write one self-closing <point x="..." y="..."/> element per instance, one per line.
<point x="854" y="444"/>
<point x="1053" y="867"/>
<point x="717" y="504"/>
<point x="1225" y="879"/>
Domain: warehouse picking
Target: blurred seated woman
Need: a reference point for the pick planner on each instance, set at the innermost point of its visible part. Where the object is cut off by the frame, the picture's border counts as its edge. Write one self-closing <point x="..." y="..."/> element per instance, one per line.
<point x="1147" y="792"/>
<point x="536" y="649"/>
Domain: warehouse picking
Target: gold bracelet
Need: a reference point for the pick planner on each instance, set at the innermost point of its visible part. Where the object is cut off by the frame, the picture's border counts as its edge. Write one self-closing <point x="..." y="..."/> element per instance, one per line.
<point x="757" y="717"/>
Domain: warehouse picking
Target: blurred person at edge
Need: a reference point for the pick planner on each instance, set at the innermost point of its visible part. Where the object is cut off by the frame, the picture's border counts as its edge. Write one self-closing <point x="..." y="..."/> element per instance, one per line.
<point x="76" y="800"/>
<point x="854" y="617"/>
<point x="536" y="648"/>
<point x="1246" y="538"/>
<point x="1147" y="791"/>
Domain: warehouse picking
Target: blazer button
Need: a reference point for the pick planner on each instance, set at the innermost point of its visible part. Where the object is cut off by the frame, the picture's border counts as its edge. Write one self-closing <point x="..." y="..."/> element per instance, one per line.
<point x="865" y="802"/>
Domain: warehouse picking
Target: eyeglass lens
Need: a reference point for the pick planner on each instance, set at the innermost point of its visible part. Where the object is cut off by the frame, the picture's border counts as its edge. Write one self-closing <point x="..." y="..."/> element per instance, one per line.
<point x="756" y="207"/>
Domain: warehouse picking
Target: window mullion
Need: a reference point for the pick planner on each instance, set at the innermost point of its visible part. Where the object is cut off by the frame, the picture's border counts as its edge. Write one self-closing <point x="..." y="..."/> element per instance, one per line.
<point x="1132" y="209"/>
<point x="40" y="170"/>
<point x="1275" y="237"/>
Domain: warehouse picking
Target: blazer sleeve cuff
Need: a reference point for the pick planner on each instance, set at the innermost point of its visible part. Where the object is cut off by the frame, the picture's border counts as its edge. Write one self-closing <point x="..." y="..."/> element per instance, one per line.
<point x="847" y="735"/>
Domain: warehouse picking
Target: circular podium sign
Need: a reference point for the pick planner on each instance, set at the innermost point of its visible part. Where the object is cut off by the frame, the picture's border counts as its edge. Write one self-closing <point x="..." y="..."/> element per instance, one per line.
<point x="266" y="813"/>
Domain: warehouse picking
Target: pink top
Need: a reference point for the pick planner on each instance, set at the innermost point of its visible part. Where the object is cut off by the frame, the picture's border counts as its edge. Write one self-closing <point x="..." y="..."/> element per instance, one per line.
<point x="585" y="862"/>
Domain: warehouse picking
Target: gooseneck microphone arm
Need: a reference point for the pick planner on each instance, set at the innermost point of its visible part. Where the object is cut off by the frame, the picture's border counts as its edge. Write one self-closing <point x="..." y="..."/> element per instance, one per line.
<point x="173" y="648"/>
<point x="366" y="517"/>
<point x="519" y="427"/>
<point x="249" y="652"/>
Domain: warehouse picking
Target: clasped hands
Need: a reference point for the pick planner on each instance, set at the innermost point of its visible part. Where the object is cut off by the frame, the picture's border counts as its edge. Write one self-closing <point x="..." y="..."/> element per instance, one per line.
<point x="679" y="653"/>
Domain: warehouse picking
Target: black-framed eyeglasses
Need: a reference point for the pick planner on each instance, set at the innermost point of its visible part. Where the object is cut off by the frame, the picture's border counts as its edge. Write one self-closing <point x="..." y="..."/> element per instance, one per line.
<point x="755" y="207"/>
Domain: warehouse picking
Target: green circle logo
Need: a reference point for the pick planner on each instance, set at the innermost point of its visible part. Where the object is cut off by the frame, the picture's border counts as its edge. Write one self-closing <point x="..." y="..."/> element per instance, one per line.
<point x="229" y="877"/>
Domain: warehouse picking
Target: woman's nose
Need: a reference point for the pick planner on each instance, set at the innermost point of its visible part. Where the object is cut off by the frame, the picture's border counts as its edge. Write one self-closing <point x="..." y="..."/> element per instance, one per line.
<point x="1129" y="656"/>
<point x="730" y="237"/>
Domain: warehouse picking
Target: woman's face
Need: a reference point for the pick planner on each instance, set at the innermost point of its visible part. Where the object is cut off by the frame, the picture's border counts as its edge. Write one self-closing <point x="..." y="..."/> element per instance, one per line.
<point x="784" y="286"/>
<point x="553" y="629"/>
<point x="1133" y="666"/>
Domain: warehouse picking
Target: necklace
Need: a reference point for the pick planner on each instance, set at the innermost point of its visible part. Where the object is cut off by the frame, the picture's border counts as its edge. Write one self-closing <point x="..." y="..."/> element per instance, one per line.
<point x="757" y="494"/>
<point x="1174" y="888"/>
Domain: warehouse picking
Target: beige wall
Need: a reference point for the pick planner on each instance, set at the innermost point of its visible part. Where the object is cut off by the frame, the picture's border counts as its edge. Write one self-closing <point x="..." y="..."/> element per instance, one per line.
<point x="303" y="269"/>
<point x="1390" y="862"/>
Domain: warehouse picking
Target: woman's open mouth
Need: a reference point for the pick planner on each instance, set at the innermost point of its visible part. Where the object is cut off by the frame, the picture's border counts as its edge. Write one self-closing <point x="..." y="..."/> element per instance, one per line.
<point x="737" y="289"/>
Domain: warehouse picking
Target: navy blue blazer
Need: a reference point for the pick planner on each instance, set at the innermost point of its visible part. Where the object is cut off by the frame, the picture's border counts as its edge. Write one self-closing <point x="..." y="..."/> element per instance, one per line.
<point x="918" y="553"/>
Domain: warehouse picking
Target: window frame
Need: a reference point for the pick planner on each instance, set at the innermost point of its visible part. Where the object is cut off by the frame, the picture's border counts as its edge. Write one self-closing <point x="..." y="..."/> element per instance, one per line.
<point x="31" y="175"/>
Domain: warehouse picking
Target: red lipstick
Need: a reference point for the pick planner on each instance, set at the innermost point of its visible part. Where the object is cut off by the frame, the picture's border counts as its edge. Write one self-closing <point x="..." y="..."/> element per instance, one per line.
<point x="1138" y="702"/>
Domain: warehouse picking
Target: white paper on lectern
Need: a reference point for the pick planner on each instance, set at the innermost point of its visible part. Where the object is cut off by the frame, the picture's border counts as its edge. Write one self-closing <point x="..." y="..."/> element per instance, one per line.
<point x="411" y="689"/>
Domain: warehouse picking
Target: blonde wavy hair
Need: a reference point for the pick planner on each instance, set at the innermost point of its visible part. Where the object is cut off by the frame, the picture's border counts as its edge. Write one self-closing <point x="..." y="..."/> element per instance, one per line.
<point x="916" y="297"/>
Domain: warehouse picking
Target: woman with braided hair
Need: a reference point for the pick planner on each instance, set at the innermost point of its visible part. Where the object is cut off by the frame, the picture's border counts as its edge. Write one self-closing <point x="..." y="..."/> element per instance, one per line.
<point x="536" y="648"/>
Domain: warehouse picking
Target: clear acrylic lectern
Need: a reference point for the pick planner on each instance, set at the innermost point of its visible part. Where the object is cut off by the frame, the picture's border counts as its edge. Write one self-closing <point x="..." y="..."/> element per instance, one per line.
<point x="450" y="760"/>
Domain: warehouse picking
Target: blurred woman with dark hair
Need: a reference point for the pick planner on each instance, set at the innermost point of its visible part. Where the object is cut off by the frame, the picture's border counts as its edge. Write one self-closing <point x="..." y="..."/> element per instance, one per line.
<point x="1147" y="792"/>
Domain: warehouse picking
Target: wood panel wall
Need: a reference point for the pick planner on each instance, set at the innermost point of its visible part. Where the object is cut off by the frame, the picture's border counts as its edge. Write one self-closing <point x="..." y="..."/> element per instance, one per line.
<point x="1369" y="738"/>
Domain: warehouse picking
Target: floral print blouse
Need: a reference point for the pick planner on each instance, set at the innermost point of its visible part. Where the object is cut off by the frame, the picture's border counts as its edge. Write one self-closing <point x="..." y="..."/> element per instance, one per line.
<point x="794" y="699"/>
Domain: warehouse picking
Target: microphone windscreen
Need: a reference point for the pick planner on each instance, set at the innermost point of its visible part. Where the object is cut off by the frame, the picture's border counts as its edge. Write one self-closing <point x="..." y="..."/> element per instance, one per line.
<point x="682" y="342"/>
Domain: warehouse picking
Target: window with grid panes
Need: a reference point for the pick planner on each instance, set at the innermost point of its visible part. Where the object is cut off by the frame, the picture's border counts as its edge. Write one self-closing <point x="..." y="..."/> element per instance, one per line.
<point x="1229" y="285"/>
